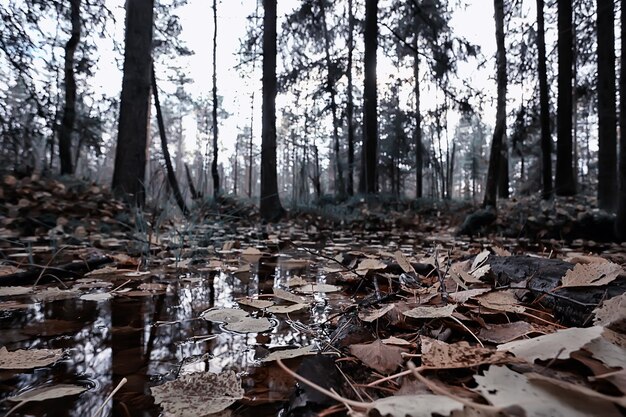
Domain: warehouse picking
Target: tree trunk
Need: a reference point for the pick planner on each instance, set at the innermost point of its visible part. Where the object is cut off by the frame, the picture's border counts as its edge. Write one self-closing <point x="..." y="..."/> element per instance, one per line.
<point x="214" y="172"/>
<point x="503" y="176"/>
<point x="171" y="176"/>
<point x="130" y="154"/>
<point x="370" y="117"/>
<point x="620" y="228"/>
<point x="565" y="181"/>
<point x="544" y="106"/>
<point x="270" y="208"/>
<point x="339" y="181"/>
<point x="350" y="105"/>
<point x="69" y="111"/>
<point x="495" y="157"/>
<point x="195" y="195"/>
<point x="607" y="119"/>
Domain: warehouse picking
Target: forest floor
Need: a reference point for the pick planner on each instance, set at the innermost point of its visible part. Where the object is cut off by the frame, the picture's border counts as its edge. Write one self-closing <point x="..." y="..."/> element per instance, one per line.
<point x="367" y="308"/>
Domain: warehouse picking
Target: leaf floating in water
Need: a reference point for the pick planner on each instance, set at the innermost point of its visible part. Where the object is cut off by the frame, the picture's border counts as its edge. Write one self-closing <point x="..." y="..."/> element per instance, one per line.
<point x="28" y="359"/>
<point x="98" y="296"/>
<point x="289" y="353"/>
<point x="255" y="303"/>
<point x="250" y="325"/>
<point x="224" y="315"/>
<point x="198" y="394"/>
<point x="313" y="288"/>
<point x="287" y="309"/>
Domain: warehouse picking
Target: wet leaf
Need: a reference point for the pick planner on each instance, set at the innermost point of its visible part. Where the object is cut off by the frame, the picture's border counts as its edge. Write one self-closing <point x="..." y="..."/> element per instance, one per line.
<point x="255" y="302"/>
<point x="48" y="393"/>
<point x="501" y="301"/>
<point x="378" y="356"/>
<point x="13" y="305"/>
<point x="287" y="296"/>
<point x="28" y="359"/>
<point x="313" y="288"/>
<point x="441" y="355"/>
<point x="369" y="264"/>
<point x="289" y="353"/>
<point x="224" y="315"/>
<point x="503" y="333"/>
<point x="51" y="294"/>
<point x="250" y="325"/>
<point x="371" y="315"/>
<point x="198" y="394"/>
<point x="11" y="291"/>
<point x="97" y="296"/>
<point x="287" y="309"/>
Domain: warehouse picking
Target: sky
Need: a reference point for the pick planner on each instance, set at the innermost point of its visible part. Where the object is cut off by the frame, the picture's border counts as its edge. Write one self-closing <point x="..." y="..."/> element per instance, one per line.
<point x="475" y="23"/>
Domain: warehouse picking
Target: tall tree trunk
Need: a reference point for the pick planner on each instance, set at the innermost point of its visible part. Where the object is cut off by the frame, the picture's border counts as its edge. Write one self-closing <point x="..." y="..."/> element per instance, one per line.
<point x="69" y="110"/>
<point x="503" y="176"/>
<point x="350" y="105"/>
<point x="370" y="116"/>
<point x="339" y="181"/>
<point x="171" y="175"/>
<point x="419" y="156"/>
<point x="214" y="172"/>
<point x="607" y="119"/>
<point x="620" y="224"/>
<point x="544" y="106"/>
<point x="192" y="188"/>
<point x="565" y="181"/>
<point x="495" y="157"/>
<point x="130" y="154"/>
<point x="270" y="208"/>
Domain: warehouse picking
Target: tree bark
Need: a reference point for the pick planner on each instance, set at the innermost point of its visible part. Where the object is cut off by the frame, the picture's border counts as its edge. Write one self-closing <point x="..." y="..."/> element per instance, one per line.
<point x="350" y="105"/>
<point x="69" y="110"/>
<point x="270" y="207"/>
<point x="607" y="119"/>
<point x="419" y="157"/>
<point x="620" y="223"/>
<point x="214" y="172"/>
<point x="339" y="181"/>
<point x="130" y="154"/>
<point x="565" y="181"/>
<point x="544" y="106"/>
<point x="495" y="157"/>
<point x="370" y="116"/>
<point x="171" y="175"/>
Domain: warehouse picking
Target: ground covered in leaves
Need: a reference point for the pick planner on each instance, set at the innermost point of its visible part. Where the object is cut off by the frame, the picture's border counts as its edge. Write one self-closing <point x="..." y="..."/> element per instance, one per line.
<point x="370" y="308"/>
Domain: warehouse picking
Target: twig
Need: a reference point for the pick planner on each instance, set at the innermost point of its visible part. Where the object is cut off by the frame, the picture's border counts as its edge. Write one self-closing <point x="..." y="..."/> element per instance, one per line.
<point x="108" y="398"/>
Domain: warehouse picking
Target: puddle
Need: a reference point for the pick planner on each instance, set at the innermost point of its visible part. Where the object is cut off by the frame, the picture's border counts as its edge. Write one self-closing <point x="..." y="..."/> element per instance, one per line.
<point x="150" y="339"/>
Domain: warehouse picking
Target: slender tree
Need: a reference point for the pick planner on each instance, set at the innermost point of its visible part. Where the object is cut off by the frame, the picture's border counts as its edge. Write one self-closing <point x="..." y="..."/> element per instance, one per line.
<point x="620" y="223"/>
<point x="544" y="106"/>
<point x="171" y="175"/>
<point x="370" y="112"/>
<point x="130" y="154"/>
<point x="607" y="119"/>
<point x="565" y="181"/>
<point x="69" y="110"/>
<point x="214" y="172"/>
<point x="495" y="157"/>
<point x="270" y="207"/>
<point x="350" y="104"/>
<point x="419" y="156"/>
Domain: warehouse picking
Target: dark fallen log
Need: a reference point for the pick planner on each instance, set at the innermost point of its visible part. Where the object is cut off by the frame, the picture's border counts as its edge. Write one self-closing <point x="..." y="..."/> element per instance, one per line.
<point x="477" y="221"/>
<point x="571" y="306"/>
<point x="69" y="271"/>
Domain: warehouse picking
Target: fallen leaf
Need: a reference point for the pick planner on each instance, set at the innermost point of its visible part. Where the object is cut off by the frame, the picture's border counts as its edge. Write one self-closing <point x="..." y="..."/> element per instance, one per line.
<point x="423" y="405"/>
<point x="97" y="296"/>
<point x="404" y="263"/>
<point x="555" y="345"/>
<point x="255" y="302"/>
<point x="574" y="389"/>
<point x="442" y="355"/>
<point x="28" y="359"/>
<point x="501" y="301"/>
<point x="198" y="394"/>
<point x="479" y="260"/>
<point x="612" y="311"/>
<point x="369" y="264"/>
<point x="249" y="325"/>
<point x="503" y="333"/>
<point x="392" y="340"/>
<point x="426" y="312"/>
<point x="287" y="309"/>
<point x="371" y="315"/>
<point x="313" y="288"/>
<point x="12" y="291"/>
<point x="224" y="315"/>
<point x="610" y="348"/>
<point x="592" y="274"/>
<point x="48" y="393"/>
<point x="289" y="353"/>
<point x="53" y="293"/>
<point x="287" y="296"/>
<point x="378" y="356"/>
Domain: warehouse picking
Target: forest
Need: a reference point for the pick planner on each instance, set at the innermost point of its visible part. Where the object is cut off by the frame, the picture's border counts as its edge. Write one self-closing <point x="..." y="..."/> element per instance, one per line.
<point x="312" y="207"/>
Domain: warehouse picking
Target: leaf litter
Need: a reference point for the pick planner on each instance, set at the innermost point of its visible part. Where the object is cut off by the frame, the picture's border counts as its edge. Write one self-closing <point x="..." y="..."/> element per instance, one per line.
<point x="451" y="325"/>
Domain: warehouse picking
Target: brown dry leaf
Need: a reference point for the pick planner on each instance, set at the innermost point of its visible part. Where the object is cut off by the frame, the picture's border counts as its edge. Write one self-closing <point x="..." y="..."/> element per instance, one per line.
<point x="617" y="378"/>
<point x="378" y="356"/>
<point x="500" y="251"/>
<point x="13" y="305"/>
<point x="313" y="288"/>
<point x="392" y="340"/>
<point x="53" y="293"/>
<point x="463" y="296"/>
<point x="593" y="274"/>
<point x="48" y="393"/>
<point x="441" y="355"/>
<point x="503" y="333"/>
<point x="28" y="359"/>
<point x="250" y="325"/>
<point x="421" y="405"/>
<point x="404" y="263"/>
<point x="479" y="260"/>
<point x="287" y="309"/>
<point x="371" y="315"/>
<point x="612" y="312"/>
<point x="12" y="291"/>
<point x="480" y="272"/>
<point x="152" y="286"/>
<point x="369" y="264"/>
<point x="427" y="312"/>
<point x="295" y="281"/>
<point x="610" y="348"/>
<point x="505" y="388"/>
<point x="289" y="353"/>
<point x="251" y="251"/>
<point x="198" y="394"/>
<point x="555" y="345"/>
<point x="224" y="315"/>
<point x="501" y="301"/>
<point x="458" y="272"/>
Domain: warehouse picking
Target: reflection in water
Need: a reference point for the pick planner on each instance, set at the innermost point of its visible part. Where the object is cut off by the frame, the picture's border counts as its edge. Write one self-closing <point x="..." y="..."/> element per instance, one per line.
<point x="150" y="339"/>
